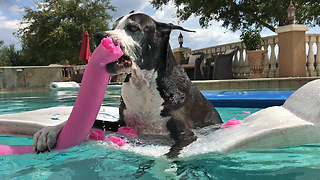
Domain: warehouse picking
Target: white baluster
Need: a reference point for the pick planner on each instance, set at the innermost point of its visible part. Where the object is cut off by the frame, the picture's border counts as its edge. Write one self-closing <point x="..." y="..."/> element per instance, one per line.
<point x="266" y="62"/>
<point x="247" y="69"/>
<point x="310" y="59"/>
<point x="241" y="64"/>
<point x="237" y="62"/>
<point x="307" y="71"/>
<point x="276" y="42"/>
<point x="273" y="59"/>
<point x="218" y="50"/>
<point x="234" y="64"/>
<point x="318" y="56"/>
<point x="223" y="49"/>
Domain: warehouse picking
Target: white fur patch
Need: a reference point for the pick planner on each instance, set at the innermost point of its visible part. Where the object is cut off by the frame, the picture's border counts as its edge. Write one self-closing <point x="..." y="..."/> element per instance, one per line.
<point x="143" y="103"/>
<point x="129" y="44"/>
<point x="140" y="95"/>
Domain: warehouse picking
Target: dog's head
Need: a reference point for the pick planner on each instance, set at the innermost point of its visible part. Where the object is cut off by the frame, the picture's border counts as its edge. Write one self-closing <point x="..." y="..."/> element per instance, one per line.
<point x="143" y="40"/>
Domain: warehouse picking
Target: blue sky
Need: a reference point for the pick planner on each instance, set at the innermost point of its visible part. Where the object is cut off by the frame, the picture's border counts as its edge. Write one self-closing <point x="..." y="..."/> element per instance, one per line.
<point x="214" y="35"/>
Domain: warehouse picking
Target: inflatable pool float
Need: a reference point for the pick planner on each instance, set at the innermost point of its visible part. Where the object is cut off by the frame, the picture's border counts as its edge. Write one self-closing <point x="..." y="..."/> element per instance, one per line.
<point x="64" y="85"/>
<point x="294" y="123"/>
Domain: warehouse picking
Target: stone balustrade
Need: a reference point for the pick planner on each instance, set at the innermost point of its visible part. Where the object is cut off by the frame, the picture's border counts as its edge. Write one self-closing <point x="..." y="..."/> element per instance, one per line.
<point x="241" y="67"/>
<point x="313" y="58"/>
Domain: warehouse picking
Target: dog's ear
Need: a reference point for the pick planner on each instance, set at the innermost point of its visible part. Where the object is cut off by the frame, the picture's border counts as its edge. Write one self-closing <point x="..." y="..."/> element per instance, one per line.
<point x="166" y="28"/>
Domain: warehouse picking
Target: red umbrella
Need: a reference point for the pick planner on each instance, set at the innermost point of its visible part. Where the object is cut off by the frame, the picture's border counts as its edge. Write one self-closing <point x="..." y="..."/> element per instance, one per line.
<point x="85" y="53"/>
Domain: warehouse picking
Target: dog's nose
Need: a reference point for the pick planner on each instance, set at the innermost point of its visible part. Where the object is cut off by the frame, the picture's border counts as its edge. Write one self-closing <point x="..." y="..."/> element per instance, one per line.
<point x="97" y="37"/>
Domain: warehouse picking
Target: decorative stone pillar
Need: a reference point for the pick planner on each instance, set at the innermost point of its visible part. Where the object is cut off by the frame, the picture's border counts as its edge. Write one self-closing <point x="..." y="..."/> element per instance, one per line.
<point x="292" y="50"/>
<point x="177" y="53"/>
<point x="311" y="59"/>
<point x="317" y="56"/>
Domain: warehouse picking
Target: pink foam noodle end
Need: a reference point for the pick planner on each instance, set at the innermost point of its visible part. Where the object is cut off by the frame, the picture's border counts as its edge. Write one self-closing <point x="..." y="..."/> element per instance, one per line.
<point x="15" y="149"/>
<point x="126" y="130"/>
<point x="230" y="123"/>
<point x="246" y="112"/>
<point x="97" y="135"/>
<point x="117" y="141"/>
<point x="90" y="96"/>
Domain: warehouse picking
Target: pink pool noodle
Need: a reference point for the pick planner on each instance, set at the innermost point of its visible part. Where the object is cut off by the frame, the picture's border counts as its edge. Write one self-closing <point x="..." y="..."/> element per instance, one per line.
<point x="91" y="93"/>
<point x="15" y="149"/>
<point x="93" y="87"/>
<point x="97" y="135"/>
<point x="126" y="130"/>
<point x="117" y="141"/>
<point x="231" y="122"/>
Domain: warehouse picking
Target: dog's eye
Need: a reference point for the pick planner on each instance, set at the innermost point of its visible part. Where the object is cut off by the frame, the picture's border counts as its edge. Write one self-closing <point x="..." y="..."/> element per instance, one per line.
<point x="134" y="28"/>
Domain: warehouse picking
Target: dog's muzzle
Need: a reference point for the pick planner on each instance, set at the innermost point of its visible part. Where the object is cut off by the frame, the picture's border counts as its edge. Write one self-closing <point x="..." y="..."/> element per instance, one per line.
<point x="124" y="60"/>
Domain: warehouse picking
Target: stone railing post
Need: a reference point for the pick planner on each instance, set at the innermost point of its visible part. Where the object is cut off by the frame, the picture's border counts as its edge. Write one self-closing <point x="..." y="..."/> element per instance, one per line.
<point x="177" y="53"/>
<point x="310" y="58"/>
<point x="318" y="56"/>
<point x="247" y="69"/>
<point x="241" y="64"/>
<point x="292" y="50"/>
<point x="266" y="62"/>
<point x="235" y="61"/>
<point x="273" y="59"/>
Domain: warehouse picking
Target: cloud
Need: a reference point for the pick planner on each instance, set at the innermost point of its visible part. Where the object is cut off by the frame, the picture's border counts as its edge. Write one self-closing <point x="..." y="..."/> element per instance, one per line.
<point x="202" y="38"/>
<point x="123" y="7"/>
<point x="167" y="14"/>
<point x="212" y="36"/>
<point x="7" y="27"/>
<point x="14" y="9"/>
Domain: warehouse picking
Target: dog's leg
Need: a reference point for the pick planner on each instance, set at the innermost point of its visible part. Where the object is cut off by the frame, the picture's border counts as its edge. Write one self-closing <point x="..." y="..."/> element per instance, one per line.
<point x="181" y="140"/>
<point x="182" y="136"/>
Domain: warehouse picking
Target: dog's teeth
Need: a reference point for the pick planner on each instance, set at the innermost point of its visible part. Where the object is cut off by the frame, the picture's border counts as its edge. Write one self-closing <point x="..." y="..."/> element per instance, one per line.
<point x="115" y="42"/>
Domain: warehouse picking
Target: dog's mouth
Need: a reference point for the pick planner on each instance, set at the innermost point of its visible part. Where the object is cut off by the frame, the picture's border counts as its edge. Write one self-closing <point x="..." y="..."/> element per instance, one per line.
<point x="125" y="60"/>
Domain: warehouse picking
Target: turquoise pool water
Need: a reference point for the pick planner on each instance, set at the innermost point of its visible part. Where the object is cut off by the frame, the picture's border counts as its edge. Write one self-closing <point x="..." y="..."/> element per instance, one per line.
<point x="91" y="160"/>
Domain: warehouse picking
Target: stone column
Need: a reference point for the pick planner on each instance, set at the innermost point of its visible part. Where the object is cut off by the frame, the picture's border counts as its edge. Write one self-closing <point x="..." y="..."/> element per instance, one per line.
<point x="177" y="53"/>
<point x="292" y="50"/>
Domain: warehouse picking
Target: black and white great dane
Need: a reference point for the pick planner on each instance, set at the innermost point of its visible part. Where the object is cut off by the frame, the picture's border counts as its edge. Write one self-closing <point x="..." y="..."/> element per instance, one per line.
<point x="157" y="97"/>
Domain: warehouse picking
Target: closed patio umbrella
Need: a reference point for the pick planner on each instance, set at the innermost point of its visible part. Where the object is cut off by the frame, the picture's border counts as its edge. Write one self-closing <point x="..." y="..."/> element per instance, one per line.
<point x="85" y="53"/>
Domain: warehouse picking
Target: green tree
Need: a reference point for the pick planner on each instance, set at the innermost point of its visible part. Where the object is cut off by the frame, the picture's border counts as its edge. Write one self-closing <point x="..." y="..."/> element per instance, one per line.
<point x="237" y="14"/>
<point x="10" y="56"/>
<point x="2" y="55"/>
<point x="52" y="32"/>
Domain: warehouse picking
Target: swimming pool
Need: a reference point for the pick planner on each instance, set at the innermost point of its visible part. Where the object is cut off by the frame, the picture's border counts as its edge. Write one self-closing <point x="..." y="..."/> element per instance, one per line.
<point x="92" y="160"/>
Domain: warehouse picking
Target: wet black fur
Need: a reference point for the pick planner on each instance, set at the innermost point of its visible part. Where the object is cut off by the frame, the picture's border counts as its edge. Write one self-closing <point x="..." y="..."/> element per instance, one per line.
<point x="184" y="104"/>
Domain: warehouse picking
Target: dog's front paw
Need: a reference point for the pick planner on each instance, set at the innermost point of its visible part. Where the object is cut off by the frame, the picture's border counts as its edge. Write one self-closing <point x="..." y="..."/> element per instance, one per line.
<point x="45" y="139"/>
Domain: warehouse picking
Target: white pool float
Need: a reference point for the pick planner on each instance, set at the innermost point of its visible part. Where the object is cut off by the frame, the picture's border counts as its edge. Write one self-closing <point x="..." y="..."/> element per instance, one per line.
<point x="64" y="85"/>
<point x="295" y="123"/>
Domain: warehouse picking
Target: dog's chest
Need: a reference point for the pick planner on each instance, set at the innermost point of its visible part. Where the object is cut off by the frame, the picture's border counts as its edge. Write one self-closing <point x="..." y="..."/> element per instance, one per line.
<point x="143" y="104"/>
